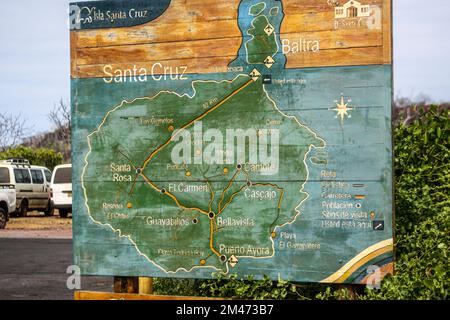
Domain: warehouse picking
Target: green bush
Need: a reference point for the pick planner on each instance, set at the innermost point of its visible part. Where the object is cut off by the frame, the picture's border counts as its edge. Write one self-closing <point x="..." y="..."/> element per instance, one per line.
<point x="232" y="287"/>
<point x="422" y="169"/>
<point x="249" y="289"/>
<point x="40" y="157"/>
<point x="422" y="227"/>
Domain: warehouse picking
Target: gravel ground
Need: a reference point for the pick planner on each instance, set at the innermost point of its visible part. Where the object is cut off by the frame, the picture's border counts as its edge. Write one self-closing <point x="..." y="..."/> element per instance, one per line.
<point x="36" y="234"/>
<point x="38" y="226"/>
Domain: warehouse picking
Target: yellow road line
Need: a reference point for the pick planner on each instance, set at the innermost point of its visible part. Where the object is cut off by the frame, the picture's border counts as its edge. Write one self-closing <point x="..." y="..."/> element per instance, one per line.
<point x="211" y="239"/>
<point x="231" y="198"/>
<point x="281" y="199"/>
<point x="173" y="197"/>
<point x="212" y="195"/>
<point x="133" y="185"/>
<point x="211" y="224"/>
<point x="184" y="207"/>
<point x="226" y="189"/>
<point x="273" y="186"/>
<point x="150" y="182"/>
<point x="196" y="119"/>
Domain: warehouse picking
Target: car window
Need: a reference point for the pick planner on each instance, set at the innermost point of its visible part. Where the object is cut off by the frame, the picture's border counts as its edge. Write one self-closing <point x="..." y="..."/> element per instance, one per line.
<point x="38" y="177"/>
<point x="22" y="176"/>
<point x="63" y="175"/>
<point x="48" y="176"/>
<point x="4" y="175"/>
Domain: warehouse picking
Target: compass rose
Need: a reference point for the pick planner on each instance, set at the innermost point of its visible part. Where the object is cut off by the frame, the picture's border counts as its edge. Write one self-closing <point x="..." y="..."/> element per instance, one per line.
<point x="342" y="108"/>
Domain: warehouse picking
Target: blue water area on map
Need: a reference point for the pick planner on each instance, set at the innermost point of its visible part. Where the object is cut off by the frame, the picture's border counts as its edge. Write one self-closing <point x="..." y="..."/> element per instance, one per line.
<point x="245" y="23"/>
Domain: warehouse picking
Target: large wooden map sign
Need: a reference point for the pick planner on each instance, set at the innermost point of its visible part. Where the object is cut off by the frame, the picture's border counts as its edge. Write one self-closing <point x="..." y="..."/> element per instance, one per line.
<point x="234" y="137"/>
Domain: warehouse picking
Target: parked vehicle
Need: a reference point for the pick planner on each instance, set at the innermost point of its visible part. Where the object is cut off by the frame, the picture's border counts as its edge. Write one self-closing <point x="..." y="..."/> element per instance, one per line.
<point x="31" y="183"/>
<point x="61" y="189"/>
<point x="7" y="202"/>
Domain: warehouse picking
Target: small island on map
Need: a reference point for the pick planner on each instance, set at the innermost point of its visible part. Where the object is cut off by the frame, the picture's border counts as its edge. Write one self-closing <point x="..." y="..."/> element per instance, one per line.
<point x="257" y="9"/>
<point x="263" y="42"/>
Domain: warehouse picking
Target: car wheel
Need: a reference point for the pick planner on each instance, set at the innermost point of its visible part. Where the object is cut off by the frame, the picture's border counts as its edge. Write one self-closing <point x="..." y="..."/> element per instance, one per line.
<point x="63" y="213"/>
<point x="50" y="210"/>
<point x="23" y="212"/>
<point x="3" y="218"/>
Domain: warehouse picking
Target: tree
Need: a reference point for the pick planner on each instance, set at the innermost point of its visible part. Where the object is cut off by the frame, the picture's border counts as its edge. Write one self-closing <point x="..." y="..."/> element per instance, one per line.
<point x="12" y="130"/>
<point x="37" y="156"/>
<point x="61" y="119"/>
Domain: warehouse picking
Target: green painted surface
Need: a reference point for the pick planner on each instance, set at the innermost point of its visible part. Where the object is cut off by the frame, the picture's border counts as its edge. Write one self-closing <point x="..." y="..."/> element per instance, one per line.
<point x="257" y="9"/>
<point x="123" y="185"/>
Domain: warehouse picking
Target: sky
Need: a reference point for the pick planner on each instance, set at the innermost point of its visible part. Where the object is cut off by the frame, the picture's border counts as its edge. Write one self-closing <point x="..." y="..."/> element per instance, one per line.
<point x="34" y="55"/>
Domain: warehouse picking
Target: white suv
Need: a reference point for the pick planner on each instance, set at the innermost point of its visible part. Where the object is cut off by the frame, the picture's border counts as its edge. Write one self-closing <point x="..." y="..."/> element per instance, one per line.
<point x="7" y="202"/>
<point x="32" y="185"/>
<point x="61" y="189"/>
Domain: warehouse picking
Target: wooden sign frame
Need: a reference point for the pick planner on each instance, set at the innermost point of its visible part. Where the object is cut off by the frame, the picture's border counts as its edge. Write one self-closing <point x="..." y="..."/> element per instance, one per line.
<point x="319" y="72"/>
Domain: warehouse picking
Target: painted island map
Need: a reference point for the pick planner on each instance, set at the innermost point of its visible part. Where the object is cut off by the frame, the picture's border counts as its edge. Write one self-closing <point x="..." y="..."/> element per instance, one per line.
<point x="244" y="137"/>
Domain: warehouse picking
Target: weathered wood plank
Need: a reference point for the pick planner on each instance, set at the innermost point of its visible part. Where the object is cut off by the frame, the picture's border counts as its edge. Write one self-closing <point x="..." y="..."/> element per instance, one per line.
<point x="387" y="32"/>
<point x="301" y="17"/>
<point x="214" y="48"/>
<point x="207" y="47"/>
<point x="156" y="52"/>
<point x="157" y="31"/>
<point x="341" y="57"/>
<point x="145" y="285"/>
<point x="87" y="295"/>
<point x="183" y="20"/>
<point x="290" y="6"/>
<point x="194" y="65"/>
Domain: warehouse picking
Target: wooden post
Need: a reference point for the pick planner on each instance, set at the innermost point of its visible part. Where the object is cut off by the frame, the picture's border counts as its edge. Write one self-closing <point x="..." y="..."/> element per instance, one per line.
<point x="132" y="285"/>
<point x="139" y="285"/>
<point x="145" y="285"/>
<point x="118" y="284"/>
<point x="126" y="285"/>
<point x="132" y="288"/>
